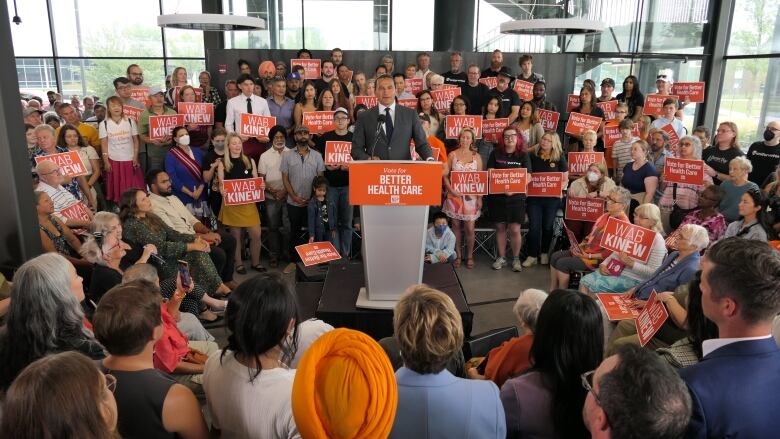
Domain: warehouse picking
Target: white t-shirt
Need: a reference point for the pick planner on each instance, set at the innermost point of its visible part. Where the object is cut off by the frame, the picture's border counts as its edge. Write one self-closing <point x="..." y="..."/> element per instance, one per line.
<point x="270" y="166"/>
<point x="244" y="409"/>
<point x="120" y="138"/>
<point x="308" y="332"/>
<point x="88" y="153"/>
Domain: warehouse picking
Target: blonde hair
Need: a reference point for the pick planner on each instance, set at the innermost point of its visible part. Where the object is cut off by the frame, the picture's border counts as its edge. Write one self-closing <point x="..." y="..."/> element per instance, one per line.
<point x="590" y="133"/>
<point x="645" y="147"/>
<point x="473" y="147"/>
<point x="226" y="158"/>
<point x="556" y="151"/>
<point x="428" y="328"/>
<point x="733" y="127"/>
<point x="100" y="226"/>
<point x="651" y="212"/>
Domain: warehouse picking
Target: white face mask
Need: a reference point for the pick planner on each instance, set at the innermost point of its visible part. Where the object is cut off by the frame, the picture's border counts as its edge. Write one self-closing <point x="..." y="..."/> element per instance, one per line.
<point x="593" y="177"/>
<point x="184" y="140"/>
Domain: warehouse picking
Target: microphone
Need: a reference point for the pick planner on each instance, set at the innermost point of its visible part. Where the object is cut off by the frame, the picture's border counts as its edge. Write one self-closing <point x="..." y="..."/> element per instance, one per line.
<point x="380" y="120"/>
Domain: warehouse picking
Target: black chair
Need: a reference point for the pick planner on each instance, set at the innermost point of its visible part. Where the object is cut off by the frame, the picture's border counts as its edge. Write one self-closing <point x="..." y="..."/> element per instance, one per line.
<point x="480" y="344"/>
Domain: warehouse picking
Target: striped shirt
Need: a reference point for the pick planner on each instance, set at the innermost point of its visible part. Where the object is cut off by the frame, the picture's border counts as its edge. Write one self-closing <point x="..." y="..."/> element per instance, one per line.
<point x="621" y="156"/>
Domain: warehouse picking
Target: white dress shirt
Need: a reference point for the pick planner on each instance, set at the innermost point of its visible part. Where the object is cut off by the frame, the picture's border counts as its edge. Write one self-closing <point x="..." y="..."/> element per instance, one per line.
<point x="237" y="105"/>
<point x="381" y="109"/>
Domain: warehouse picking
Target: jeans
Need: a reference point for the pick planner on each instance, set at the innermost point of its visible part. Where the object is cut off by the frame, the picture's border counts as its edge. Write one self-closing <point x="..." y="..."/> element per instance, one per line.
<point x="276" y="216"/>
<point x="541" y="217"/>
<point x="339" y="196"/>
<point x="298" y="219"/>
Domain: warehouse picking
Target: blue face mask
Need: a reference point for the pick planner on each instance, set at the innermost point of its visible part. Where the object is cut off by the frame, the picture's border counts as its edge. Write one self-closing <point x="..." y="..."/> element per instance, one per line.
<point x="440" y="228"/>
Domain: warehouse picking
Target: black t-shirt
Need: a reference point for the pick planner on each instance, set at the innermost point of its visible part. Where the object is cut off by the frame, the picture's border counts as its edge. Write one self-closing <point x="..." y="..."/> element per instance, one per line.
<point x="539" y="164"/>
<point x="489" y="73"/>
<point x="460" y="79"/>
<point x="502" y="160"/>
<point x="719" y="160"/>
<point x="208" y="159"/>
<point x="336" y="178"/>
<point x="633" y="101"/>
<point x="508" y="99"/>
<point x="220" y="113"/>
<point x="765" y="159"/>
<point x="477" y="97"/>
<point x="320" y="85"/>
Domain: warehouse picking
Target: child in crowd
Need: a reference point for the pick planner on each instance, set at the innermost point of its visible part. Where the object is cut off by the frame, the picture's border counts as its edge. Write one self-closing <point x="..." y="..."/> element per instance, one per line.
<point x="439" y="241"/>
<point x="322" y="215"/>
<point x="621" y="149"/>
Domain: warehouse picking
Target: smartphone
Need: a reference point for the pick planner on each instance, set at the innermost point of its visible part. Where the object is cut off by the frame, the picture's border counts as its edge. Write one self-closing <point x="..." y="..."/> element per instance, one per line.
<point x="184" y="272"/>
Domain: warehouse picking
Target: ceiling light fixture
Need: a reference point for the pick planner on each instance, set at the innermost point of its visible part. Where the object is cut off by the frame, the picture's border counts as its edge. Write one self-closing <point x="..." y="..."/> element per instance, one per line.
<point x="552" y="26"/>
<point x="210" y="22"/>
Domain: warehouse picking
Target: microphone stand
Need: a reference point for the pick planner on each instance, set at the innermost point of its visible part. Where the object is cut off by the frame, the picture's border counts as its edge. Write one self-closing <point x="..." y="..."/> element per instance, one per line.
<point x="380" y="122"/>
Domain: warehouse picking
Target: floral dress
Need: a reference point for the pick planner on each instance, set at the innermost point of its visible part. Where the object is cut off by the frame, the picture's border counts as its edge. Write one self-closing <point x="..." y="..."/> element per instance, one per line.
<point x="462" y="208"/>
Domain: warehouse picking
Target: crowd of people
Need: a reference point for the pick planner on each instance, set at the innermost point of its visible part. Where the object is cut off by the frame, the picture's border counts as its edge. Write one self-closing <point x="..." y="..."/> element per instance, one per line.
<point x="107" y="334"/>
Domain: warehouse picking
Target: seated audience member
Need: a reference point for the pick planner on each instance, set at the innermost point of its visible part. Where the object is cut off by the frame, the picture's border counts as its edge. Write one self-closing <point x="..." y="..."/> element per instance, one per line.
<point x="734" y="388"/>
<point x="750" y="224"/>
<point x="44" y="316"/>
<point x="431" y="401"/>
<point x="704" y="134"/>
<point x="439" y="241"/>
<point x="586" y="255"/>
<point x="61" y="396"/>
<point x="56" y="236"/>
<point x="594" y="184"/>
<point x="50" y="181"/>
<point x="128" y="322"/>
<point x="772" y="216"/>
<point x="344" y="388"/>
<point x="717" y="160"/>
<point x="172" y="211"/>
<point x="629" y="272"/>
<point x="707" y="214"/>
<point x="252" y="372"/>
<point x="142" y="227"/>
<point x="512" y="357"/>
<point x="633" y="394"/>
<point x="738" y="184"/>
<point x="308" y="332"/>
<point x="679" y="198"/>
<point x="547" y="400"/>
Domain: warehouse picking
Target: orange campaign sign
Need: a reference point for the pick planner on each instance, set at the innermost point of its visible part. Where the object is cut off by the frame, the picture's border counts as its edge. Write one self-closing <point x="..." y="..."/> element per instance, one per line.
<point x="469" y="182"/>
<point x="673" y="138"/>
<point x="78" y="211"/>
<point x="524" y="89"/>
<point x="244" y="191"/>
<point x="654" y="104"/>
<point x="579" y="161"/>
<point x="311" y="67"/>
<point x="319" y="122"/>
<point x="689" y="91"/>
<point x="368" y="101"/>
<point x="546" y="184"/>
<point x="490" y="81"/>
<point x="584" y="209"/>
<point x="414" y="85"/>
<point x="508" y="181"/>
<point x="624" y="237"/>
<point x="70" y="163"/>
<point x="408" y="103"/>
<point x="612" y="134"/>
<point x="684" y="171"/>
<point x="609" y="108"/>
<point x="139" y="93"/>
<point x="132" y="112"/>
<point x="650" y="319"/>
<point x="443" y="98"/>
<point x="572" y="102"/>
<point x="454" y="124"/>
<point x="618" y="307"/>
<point x="435" y="152"/>
<point x="578" y="123"/>
<point x="338" y="153"/>
<point x="394" y="184"/>
<point x="254" y="125"/>
<point x="317" y="253"/>
<point x="196" y="113"/>
<point x="160" y="127"/>
<point x="549" y="119"/>
<point x="492" y="129"/>
<point x="177" y="90"/>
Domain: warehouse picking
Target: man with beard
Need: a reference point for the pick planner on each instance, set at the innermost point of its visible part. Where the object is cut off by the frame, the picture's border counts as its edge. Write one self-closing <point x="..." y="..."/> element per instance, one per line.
<point x="327" y="73"/>
<point x="540" y="97"/>
<point x="135" y="74"/>
<point x="496" y="65"/>
<point x="269" y="167"/>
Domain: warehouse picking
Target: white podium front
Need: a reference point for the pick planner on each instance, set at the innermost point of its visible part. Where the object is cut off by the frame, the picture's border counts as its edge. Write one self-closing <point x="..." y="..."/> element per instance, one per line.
<point x="394" y="197"/>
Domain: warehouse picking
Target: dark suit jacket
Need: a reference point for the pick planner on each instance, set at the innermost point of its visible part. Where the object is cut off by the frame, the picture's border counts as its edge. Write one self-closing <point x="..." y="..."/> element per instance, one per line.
<point x="735" y="391"/>
<point x="406" y="127"/>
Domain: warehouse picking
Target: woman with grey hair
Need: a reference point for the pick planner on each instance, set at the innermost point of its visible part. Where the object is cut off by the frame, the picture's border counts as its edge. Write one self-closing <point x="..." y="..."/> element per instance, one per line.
<point x="737" y="185"/>
<point x="511" y="358"/>
<point x="44" y="317"/>
<point x="678" y="199"/>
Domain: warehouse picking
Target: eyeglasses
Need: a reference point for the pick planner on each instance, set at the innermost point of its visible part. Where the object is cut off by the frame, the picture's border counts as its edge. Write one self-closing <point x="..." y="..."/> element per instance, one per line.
<point x="612" y="200"/>
<point x="58" y="171"/>
<point x="110" y="382"/>
<point x="510" y="136"/>
<point x="587" y="384"/>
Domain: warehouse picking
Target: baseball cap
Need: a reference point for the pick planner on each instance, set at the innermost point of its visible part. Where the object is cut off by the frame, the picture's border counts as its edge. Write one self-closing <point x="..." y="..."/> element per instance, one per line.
<point x="341" y="110"/>
<point x="300" y="128"/>
<point x="28" y="111"/>
<point x="154" y="90"/>
<point x="665" y="75"/>
<point x="294" y="75"/>
<point x="608" y="81"/>
<point x="505" y="74"/>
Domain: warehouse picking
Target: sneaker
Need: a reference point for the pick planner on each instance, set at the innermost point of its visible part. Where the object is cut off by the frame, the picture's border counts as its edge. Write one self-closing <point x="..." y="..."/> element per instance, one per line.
<point x="500" y="263"/>
<point x="545" y="259"/>
<point x="529" y="262"/>
<point x="516" y="265"/>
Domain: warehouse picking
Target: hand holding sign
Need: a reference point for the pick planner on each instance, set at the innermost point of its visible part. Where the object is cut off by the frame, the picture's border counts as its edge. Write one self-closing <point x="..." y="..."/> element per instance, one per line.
<point x="624" y="237"/>
<point x="650" y="320"/>
<point x="70" y="163"/>
<point x="469" y="182"/>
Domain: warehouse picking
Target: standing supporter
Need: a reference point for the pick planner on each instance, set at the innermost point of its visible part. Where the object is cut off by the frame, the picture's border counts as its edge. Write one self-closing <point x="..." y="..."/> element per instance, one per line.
<point x="135" y="74"/>
<point x="492" y="106"/>
<point x="669" y="109"/>
<point x="423" y="65"/>
<point x="707" y="214"/>
<point x="400" y="85"/>
<point x="663" y="82"/>
<point x="458" y="107"/>
<point x="765" y="155"/>
<point x="527" y="73"/>
<point x="281" y="69"/>
<point x="266" y="71"/>
<point x="77" y="186"/>
<point x="31" y="139"/>
<point x="750" y="224"/>
<point x="621" y="149"/>
<point x="738" y="184"/>
<point x="682" y="196"/>
<point x="156" y="149"/>
<point x="632" y="97"/>
<point x="435" y="81"/>
<point x="546" y="156"/>
<point x="425" y="106"/>
<point x="337" y="55"/>
<point x="327" y="74"/>
<point x="52" y="119"/>
<point x="178" y="79"/>
<point x="410" y="71"/>
<point x="123" y="88"/>
<point x="275" y="195"/>
<point x="320" y="213"/>
<point x="88" y="132"/>
<point x="243" y="67"/>
<point x="220" y="110"/>
<point x="307" y="101"/>
<point x="510" y="102"/>
<point x="70" y="138"/>
<point x="463" y="209"/>
<point x="540" y="97"/>
<point x="644" y="125"/>
<point x="640" y="176"/>
<point x="247" y="102"/>
<point x="89" y="108"/>
<point x="496" y="66"/>
<point x="704" y="134"/>
<point x="455" y="76"/>
<point x="280" y="106"/>
<point x="607" y="87"/>
<point x="32" y="116"/>
<point x="119" y="139"/>
<point x="341" y="99"/>
<point x="359" y="78"/>
<point x="51" y="179"/>
<point x="587" y="106"/>
<point x="659" y="150"/>
<point x="726" y="149"/>
<point x="527" y="124"/>
<point x="594" y="184"/>
<point x="199" y="134"/>
<point x="293" y="85"/>
<point x="476" y="92"/>
<point x="433" y="141"/>
<point x="208" y="168"/>
<point x="387" y="61"/>
<point x="345" y="79"/>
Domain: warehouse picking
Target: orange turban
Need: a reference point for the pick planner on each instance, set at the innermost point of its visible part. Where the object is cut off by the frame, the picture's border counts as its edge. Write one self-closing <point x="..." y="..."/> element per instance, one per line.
<point x="344" y="388"/>
<point x="266" y="67"/>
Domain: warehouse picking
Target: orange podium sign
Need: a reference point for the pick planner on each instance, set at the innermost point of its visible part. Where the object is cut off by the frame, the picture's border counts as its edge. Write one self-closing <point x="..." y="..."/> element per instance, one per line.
<point x="377" y="183"/>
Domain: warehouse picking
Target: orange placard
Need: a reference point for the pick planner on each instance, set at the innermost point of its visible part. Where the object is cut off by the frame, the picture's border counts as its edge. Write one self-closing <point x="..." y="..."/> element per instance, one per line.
<point x="579" y="161"/>
<point x="549" y="119"/>
<point x="624" y="237"/>
<point x="454" y="124"/>
<point x="132" y="112"/>
<point x="469" y="182"/>
<point x="650" y="319"/>
<point x="139" y="93"/>
<point x="408" y="103"/>
<point x="584" y="209"/>
<point x="317" y="253"/>
<point x="244" y="191"/>
<point x="609" y="108"/>
<point x="654" y="104"/>
<point x="443" y="98"/>
<point x="546" y="184"/>
<point x="492" y="129"/>
<point x="508" y="181"/>
<point x="618" y="307"/>
<point x="578" y="123"/>
<point x="775" y="245"/>
<point x="684" y="171"/>
<point x="524" y="89"/>
<point x="196" y="113"/>
<point x="490" y="81"/>
<point x="572" y="102"/>
<point x="70" y="163"/>
<point x="435" y="152"/>
<point x="177" y="90"/>
<point x="254" y="125"/>
<point x="674" y="139"/>
<point x="368" y="101"/>
<point x="160" y="127"/>
<point x="311" y="67"/>
<point x="338" y="153"/>
<point x="78" y="211"/>
<point x="319" y="122"/>
<point x="394" y="184"/>
<point x="414" y="85"/>
<point x="689" y="91"/>
<point x="612" y="134"/>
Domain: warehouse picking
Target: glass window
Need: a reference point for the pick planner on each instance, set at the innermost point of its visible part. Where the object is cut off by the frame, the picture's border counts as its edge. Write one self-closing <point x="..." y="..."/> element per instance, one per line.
<point x="83" y="76"/>
<point x="179" y="42"/>
<point x="489" y="36"/>
<point x="750" y="96"/>
<point x="36" y="76"/>
<point x="754" y="27"/>
<point x="421" y="14"/>
<point x="347" y="24"/>
<point x="673" y="26"/>
<point x="283" y="32"/>
<point x="193" y="66"/>
<point x="31" y="36"/>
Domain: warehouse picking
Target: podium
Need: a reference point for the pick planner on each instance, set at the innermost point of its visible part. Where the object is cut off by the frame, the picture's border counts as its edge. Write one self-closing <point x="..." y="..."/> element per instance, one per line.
<point x="394" y="197"/>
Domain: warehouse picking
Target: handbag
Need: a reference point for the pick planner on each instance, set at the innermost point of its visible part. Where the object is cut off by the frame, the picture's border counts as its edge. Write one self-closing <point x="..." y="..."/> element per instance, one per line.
<point x="678" y="214"/>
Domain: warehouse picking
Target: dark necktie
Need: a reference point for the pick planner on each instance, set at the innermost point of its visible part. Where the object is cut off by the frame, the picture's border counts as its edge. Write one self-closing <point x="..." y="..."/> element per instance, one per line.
<point x="388" y="124"/>
<point x="249" y="105"/>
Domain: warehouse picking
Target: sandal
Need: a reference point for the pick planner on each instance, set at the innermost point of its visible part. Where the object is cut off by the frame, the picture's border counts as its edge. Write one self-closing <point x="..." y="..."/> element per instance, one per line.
<point x="260" y="268"/>
<point x="470" y="263"/>
<point x="240" y="269"/>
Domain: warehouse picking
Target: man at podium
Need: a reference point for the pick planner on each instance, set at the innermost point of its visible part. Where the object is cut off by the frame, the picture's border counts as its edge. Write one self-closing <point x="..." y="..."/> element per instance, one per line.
<point x="384" y="132"/>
